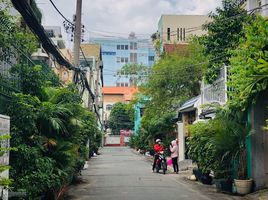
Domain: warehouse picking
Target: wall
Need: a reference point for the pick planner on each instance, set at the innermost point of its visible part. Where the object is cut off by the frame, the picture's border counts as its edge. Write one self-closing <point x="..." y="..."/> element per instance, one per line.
<point x="110" y="99"/>
<point x="112" y="140"/>
<point x="259" y="142"/>
<point x="4" y="160"/>
<point x="113" y="98"/>
<point x="181" y="137"/>
<point x="180" y="21"/>
<point x="252" y="4"/>
<point x="110" y="53"/>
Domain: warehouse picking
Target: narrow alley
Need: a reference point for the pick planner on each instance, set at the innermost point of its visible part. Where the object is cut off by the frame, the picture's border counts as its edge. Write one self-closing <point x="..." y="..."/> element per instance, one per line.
<point x="120" y="174"/>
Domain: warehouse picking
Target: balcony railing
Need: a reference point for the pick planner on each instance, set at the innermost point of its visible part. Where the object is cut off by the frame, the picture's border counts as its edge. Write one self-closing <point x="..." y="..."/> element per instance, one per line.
<point x="215" y="92"/>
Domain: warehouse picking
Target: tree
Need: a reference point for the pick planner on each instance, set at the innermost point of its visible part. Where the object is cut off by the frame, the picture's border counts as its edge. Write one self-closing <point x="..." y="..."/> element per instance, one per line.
<point x="175" y="78"/>
<point x="49" y="127"/>
<point x="249" y="71"/>
<point x="224" y="32"/>
<point x="137" y="73"/>
<point x="121" y="117"/>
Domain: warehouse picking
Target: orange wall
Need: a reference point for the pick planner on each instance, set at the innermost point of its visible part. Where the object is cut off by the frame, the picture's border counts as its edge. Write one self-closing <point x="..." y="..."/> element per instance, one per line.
<point x="109" y="98"/>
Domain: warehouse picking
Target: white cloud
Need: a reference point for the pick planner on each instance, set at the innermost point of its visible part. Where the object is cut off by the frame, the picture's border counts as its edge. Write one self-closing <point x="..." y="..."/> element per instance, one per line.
<point x="123" y="16"/>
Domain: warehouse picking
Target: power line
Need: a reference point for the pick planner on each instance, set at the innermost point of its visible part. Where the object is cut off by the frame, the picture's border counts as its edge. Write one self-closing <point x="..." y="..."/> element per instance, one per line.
<point x="60" y="12"/>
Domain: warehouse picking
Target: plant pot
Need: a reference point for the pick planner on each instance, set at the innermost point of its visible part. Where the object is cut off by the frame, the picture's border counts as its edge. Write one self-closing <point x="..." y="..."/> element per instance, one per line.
<point x="223" y="185"/>
<point x="243" y="186"/>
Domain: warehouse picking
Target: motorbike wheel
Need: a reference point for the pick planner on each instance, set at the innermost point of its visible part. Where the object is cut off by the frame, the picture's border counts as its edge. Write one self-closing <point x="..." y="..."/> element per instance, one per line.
<point x="164" y="168"/>
<point x="157" y="168"/>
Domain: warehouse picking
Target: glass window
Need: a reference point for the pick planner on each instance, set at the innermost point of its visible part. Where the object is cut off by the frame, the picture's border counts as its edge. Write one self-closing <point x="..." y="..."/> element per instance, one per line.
<point x="122" y="60"/>
<point x="178" y="34"/>
<point x="126" y="60"/>
<point x="183" y="34"/>
<point x="168" y="34"/>
<point x="122" y="47"/>
<point x="118" y="46"/>
<point x="118" y="59"/>
<point x="151" y="58"/>
<point x="109" y="107"/>
<point x="133" y="57"/>
<point x="133" y="45"/>
<point x="126" y="47"/>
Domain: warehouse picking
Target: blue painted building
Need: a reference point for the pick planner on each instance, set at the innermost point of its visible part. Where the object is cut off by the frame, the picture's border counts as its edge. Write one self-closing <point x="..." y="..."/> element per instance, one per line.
<point x="116" y="52"/>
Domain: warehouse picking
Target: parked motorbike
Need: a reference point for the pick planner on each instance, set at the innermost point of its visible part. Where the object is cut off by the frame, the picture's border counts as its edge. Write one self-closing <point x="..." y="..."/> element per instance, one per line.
<point x="161" y="163"/>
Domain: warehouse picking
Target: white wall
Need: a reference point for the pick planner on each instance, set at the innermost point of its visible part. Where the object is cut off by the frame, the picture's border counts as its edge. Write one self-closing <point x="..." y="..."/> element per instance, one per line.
<point x="112" y="139"/>
<point x="4" y="160"/>
<point x="181" y="137"/>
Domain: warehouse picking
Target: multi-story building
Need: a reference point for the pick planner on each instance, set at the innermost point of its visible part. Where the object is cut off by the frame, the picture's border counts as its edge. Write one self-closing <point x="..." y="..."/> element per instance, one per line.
<point x="256" y="6"/>
<point x="91" y="61"/>
<point x="118" y="52"/>
<point x="113" y="94"/>
<point x="176" y="29"/>
<point x="54" y="33"/>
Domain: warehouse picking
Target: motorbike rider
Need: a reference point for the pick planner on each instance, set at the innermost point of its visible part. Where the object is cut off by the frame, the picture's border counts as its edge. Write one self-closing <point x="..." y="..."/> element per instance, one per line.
<point x="158" y="147"/>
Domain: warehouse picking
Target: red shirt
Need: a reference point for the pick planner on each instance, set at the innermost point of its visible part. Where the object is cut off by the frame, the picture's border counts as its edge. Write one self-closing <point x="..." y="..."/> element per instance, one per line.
<point x="158" y="148"/>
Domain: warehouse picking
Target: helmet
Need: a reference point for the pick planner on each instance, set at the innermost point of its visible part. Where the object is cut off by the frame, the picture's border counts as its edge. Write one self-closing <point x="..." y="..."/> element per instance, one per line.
<point x="157" y="140"/>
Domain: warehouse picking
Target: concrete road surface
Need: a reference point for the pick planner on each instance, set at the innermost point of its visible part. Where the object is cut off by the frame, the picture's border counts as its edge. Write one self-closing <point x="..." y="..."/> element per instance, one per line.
<point x="120" y="174"/>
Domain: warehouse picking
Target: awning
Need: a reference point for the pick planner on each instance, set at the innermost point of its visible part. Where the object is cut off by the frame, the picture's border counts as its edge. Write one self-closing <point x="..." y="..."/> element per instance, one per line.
<point x="189" y="105"/>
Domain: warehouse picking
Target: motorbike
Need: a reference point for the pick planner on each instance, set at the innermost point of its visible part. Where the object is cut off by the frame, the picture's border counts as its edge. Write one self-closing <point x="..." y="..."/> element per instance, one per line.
<point x="161" y="163"/>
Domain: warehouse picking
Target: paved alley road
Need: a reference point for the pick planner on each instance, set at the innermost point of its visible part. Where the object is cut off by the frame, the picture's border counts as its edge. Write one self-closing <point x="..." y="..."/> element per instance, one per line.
<point x="120" y="174"/>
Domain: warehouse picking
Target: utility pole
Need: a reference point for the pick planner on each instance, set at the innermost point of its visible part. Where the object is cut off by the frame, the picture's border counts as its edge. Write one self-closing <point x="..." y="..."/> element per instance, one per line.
<point x="77" y="32"/>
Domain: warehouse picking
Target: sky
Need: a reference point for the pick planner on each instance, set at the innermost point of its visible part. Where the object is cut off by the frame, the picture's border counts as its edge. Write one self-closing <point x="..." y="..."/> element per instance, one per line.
<point x="117" y="18"/>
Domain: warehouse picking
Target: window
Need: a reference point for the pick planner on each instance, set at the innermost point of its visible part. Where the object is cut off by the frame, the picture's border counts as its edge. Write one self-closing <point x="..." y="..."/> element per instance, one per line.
<point x="110" y="53"/>
<point x="122" y="60"/>
<point x="151" y="58"/>
<point x="118" y="47"/>
<point x="133" y="57"/>
<point x="168" y="34"/>
<point x="118" y="59"/>
<point x="178" y="34"/>
<point x="133" y="45"/>
<point x="126" y="47"/>
<point x="126" y="60"/>
<point x="109" y="107"/>
<point x="183" y="34"/>
<point x="122" y="47"/>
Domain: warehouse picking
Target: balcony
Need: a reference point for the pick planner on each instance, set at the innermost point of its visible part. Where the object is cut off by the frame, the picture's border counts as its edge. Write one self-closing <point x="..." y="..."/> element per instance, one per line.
<point x="215" y="92"/>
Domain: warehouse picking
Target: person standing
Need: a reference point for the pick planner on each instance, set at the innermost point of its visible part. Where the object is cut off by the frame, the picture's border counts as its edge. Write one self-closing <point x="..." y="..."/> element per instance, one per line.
<point x="158" y="147"/>
<point x="174" y="155"/>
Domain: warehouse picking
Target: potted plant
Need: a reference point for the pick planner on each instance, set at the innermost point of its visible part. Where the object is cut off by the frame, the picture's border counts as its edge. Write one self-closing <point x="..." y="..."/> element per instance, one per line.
<point x="242" y="183"/>
<point x="231" y="139"/>
<point x="223" y="180"/>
